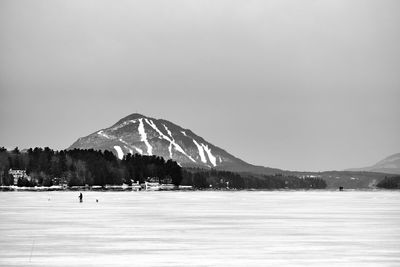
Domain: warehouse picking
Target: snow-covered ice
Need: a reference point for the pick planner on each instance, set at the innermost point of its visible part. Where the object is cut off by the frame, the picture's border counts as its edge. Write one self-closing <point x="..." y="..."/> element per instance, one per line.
<point x="262" y="228"/>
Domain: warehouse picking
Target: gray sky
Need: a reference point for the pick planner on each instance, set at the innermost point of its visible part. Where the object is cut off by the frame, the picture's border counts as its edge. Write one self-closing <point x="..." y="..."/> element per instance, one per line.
<point x="300" y="85"/>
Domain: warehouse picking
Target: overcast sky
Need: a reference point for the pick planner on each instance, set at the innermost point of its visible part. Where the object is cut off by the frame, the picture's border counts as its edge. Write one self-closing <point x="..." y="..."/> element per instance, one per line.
<point x="299" y="85"/>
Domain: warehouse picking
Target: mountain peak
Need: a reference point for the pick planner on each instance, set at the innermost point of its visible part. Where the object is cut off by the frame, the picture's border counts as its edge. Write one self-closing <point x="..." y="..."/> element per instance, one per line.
<point x="137" y="133"/>
<point x="133" y="116"/>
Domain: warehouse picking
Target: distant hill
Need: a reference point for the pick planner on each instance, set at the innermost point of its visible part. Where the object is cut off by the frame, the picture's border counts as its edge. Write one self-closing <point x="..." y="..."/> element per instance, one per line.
<point x="390" y="165"/>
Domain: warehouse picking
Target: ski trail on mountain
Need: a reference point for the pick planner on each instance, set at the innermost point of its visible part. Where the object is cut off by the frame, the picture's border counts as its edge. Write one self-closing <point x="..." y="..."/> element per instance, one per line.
<point x="211" y="157"/>
<point x="119" y="152"/>
<point x="201" y="151"/>
<point x="177" y="147"/>
<point x="170" y="140"/>
<point x="143" y="137"/>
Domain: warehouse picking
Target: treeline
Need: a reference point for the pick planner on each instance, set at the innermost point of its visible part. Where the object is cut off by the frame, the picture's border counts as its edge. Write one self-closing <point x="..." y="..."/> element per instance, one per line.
<point x="84" y="167"/>
<point x="390" y="183"/>
<point x="79" y="167"/>
<point x="200" y="179"/>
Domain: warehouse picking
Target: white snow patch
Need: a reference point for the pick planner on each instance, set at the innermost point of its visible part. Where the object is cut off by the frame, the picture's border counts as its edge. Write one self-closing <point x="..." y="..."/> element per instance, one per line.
<point x="119" y="152"/>
<point x="170" y="150"/>
<point x="168" y="131"/>
<point x="201" y="152"/>
<point x="183" y="133"/>
<point x="138" y="150"/>
<point x="122" y="141"/>
<point x="130" y="149"/>
<point x="213" y="159"/>
<point x="123" y="124"/>
<point x="143" y="137"/>
<point x="220" y="159"/>
<point x="127" y="146"/>
<point x="102" y="133"/>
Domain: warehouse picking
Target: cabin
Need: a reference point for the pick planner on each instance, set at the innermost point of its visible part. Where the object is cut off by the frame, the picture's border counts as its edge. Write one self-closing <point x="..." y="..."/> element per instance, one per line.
<point x="151" y="186"/>
<point x="62" y="182"/>
<point x="17" y="174"/>
<point x="155" y="184"/>
<point x="136" y="185"/>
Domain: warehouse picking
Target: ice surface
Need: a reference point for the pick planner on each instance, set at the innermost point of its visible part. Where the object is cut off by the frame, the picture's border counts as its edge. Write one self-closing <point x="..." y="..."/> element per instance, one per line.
<point x="119" y="152"/>
<point x="261" y="228"/>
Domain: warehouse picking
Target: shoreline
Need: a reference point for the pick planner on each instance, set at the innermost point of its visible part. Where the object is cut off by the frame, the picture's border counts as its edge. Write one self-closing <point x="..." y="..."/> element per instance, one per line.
<point x="181" y="189"/>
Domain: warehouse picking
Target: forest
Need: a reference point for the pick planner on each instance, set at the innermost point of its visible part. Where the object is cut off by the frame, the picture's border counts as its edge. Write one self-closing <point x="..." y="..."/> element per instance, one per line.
<point x="392" y="182"/>
<point x="202" y="179"/>
<point x="79" y="167"/>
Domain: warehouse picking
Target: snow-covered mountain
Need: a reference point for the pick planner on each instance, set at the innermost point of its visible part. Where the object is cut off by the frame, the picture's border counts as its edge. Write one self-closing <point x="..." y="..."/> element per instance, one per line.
<point x="389" y="165"/>
<point x="137" y="133"/>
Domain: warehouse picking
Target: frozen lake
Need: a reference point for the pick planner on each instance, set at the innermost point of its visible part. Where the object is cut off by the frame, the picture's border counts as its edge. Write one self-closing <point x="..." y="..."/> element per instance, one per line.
<point x="263" y="228"/>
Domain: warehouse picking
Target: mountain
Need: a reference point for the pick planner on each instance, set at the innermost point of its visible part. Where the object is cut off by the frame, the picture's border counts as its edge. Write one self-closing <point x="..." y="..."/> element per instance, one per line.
<point x="137" y="133"/>
<point x="390" y="165"/>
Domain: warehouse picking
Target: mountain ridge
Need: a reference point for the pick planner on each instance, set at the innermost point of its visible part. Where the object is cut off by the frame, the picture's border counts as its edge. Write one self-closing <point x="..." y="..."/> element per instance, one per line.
<point x="389" y="165"/>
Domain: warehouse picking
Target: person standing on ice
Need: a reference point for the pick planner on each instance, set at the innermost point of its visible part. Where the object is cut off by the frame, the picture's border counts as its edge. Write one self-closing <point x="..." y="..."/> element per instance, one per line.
<point x="80" y="197"/>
